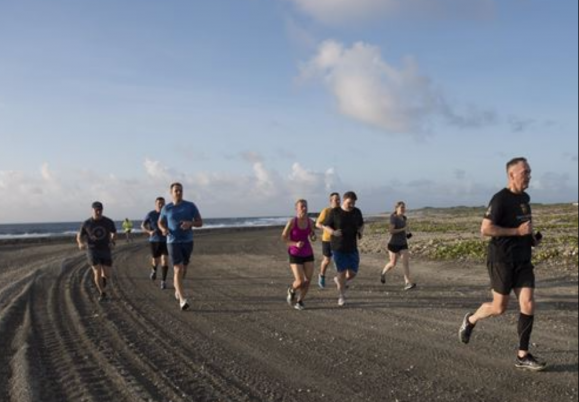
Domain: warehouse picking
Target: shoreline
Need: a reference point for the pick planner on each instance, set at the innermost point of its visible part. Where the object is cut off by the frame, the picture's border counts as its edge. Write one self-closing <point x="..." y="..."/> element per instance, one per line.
<point x="62" y="239"/>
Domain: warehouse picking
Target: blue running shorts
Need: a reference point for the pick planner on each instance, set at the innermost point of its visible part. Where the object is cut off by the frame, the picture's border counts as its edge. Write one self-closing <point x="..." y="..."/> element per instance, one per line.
<point x="180" y="253"/>
<point x="347" y="261"/>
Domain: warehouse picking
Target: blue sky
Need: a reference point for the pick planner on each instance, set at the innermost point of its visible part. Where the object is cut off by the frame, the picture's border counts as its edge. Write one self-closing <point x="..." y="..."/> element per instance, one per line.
<point x="255" y="103"/>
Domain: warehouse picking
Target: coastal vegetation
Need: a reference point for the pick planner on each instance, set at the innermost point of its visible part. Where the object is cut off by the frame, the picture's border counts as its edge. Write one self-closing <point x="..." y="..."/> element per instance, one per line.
<point x="453" y="234"/>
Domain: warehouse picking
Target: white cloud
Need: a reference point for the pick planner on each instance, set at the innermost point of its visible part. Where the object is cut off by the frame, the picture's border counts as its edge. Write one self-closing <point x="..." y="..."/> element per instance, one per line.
<point x="335" y="12"/>
<point x="266" y="184"/>
<point x="332" y="180"/>
<point x="395" y="99"/>
<point x="304" y="182"/>
<point x="46" y="173"/>
<point x="304" y="177"/>
<point x="157" y="171"/>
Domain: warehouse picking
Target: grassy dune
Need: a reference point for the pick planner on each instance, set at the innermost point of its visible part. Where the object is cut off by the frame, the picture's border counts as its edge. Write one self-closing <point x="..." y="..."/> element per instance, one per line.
<point x="453" y="234"/>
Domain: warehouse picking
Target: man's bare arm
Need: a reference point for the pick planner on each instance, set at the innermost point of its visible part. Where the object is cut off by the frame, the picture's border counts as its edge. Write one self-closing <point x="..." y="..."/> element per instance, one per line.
<point x="489" y="229"/>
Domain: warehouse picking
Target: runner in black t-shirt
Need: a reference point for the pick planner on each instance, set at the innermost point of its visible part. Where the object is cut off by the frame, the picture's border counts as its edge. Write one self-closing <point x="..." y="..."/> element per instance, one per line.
<point x="509" y="221"/>
<point x="97" y="235"/>
<point x="159" y="250"/>
<point x="346" y="225"/>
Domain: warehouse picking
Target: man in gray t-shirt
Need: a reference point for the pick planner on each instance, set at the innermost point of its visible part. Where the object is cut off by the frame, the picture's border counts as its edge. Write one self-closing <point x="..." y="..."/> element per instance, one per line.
<point x="97" y="236"/>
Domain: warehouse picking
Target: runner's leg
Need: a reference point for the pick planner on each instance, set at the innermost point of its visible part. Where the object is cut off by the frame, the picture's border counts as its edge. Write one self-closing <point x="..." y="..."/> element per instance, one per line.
<point x="308" y="270"/>
<point x="178" y="281"/>
<point x="97" y="275"/>
<point x="405" y="257"/>
<point x="341" y="282"/>
<point x="392" y="264"/>
<point x="325" y="265"/>
<point x="165" y="267"/>
<point x="526" y="298"/>
<point x="299" y="277"/>
<point x="494" y="309"/>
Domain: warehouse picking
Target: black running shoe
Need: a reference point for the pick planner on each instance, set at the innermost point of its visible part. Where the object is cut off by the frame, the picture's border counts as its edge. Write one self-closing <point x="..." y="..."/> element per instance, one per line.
<point x="153" y="275"/>
<point x="102" y="297"/>
<point x="466" y="329"/>
<point x="530" y="363"/>
<point x="383" y="278"/>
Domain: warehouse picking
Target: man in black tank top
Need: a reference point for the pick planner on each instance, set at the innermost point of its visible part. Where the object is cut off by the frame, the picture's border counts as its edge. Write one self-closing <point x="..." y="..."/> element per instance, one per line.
<point x="509" y="221"/>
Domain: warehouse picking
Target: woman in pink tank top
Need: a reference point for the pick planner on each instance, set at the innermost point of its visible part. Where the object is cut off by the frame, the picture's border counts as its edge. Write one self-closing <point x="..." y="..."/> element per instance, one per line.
<point x="298" y="234"/>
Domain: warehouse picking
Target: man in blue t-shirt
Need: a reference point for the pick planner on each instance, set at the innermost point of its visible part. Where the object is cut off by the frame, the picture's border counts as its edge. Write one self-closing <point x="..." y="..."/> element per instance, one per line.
<point x="159" y="251"/>
<point x="177" y="221"/>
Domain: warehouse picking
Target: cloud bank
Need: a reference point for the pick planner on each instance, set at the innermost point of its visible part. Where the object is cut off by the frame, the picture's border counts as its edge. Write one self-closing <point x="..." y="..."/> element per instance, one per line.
<point x="395" y="99"/>
<point x="50" y="196"/>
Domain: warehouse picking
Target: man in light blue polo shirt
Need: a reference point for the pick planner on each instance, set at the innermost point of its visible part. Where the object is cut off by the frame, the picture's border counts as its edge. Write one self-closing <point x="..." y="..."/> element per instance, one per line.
<point x="177" y="221"/>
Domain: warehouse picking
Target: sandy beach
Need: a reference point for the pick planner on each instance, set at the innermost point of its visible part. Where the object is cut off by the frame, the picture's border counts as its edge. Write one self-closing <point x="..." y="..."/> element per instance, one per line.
<point x="241" y="342"/>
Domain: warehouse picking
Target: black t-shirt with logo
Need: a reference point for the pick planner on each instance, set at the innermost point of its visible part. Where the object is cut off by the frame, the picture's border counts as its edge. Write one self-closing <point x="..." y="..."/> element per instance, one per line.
<point x="509" y="210"/>
<point x="98" y="233"/>
<point x="350" y="223"/>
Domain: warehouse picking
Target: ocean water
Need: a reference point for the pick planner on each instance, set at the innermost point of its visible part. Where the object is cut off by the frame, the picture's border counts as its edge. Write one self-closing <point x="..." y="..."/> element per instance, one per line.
<point x="65" y="229"/>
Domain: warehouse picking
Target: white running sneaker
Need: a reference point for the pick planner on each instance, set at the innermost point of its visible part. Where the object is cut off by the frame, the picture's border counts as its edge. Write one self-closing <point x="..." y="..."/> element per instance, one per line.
<point x="291" y="297"/>
<point x="342" y="301"/>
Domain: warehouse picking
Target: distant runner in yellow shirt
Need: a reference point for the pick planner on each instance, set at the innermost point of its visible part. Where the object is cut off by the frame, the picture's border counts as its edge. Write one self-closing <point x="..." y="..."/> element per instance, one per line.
<point x="128" y="229"/>
<point x="335" y="202"/>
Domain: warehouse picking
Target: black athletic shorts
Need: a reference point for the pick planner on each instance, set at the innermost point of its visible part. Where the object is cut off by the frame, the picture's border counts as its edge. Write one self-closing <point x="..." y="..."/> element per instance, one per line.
<point x="99" y="257"/>
<point x="506" y="276"/>
<point x="294" y="260"/>
<point x="159" y="249"/>
<point x="327" y="249"/>
<point x="397" y="249"/>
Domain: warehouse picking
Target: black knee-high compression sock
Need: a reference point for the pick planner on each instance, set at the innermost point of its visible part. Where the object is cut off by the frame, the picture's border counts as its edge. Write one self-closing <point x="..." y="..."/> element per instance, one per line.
<point x="526" y="323"/>
<point x="165" y="272"/>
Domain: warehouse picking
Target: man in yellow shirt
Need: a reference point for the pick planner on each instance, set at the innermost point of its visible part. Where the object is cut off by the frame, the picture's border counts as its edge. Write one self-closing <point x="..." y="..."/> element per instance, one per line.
<point x="326" y="239"/>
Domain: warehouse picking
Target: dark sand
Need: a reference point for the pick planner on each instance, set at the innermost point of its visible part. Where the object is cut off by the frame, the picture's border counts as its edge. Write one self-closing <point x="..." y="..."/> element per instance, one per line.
<point x="241" y="342"/>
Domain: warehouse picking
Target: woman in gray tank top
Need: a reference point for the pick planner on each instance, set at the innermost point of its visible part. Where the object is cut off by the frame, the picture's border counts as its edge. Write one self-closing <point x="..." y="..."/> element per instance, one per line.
<point x="398" y="245"/>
